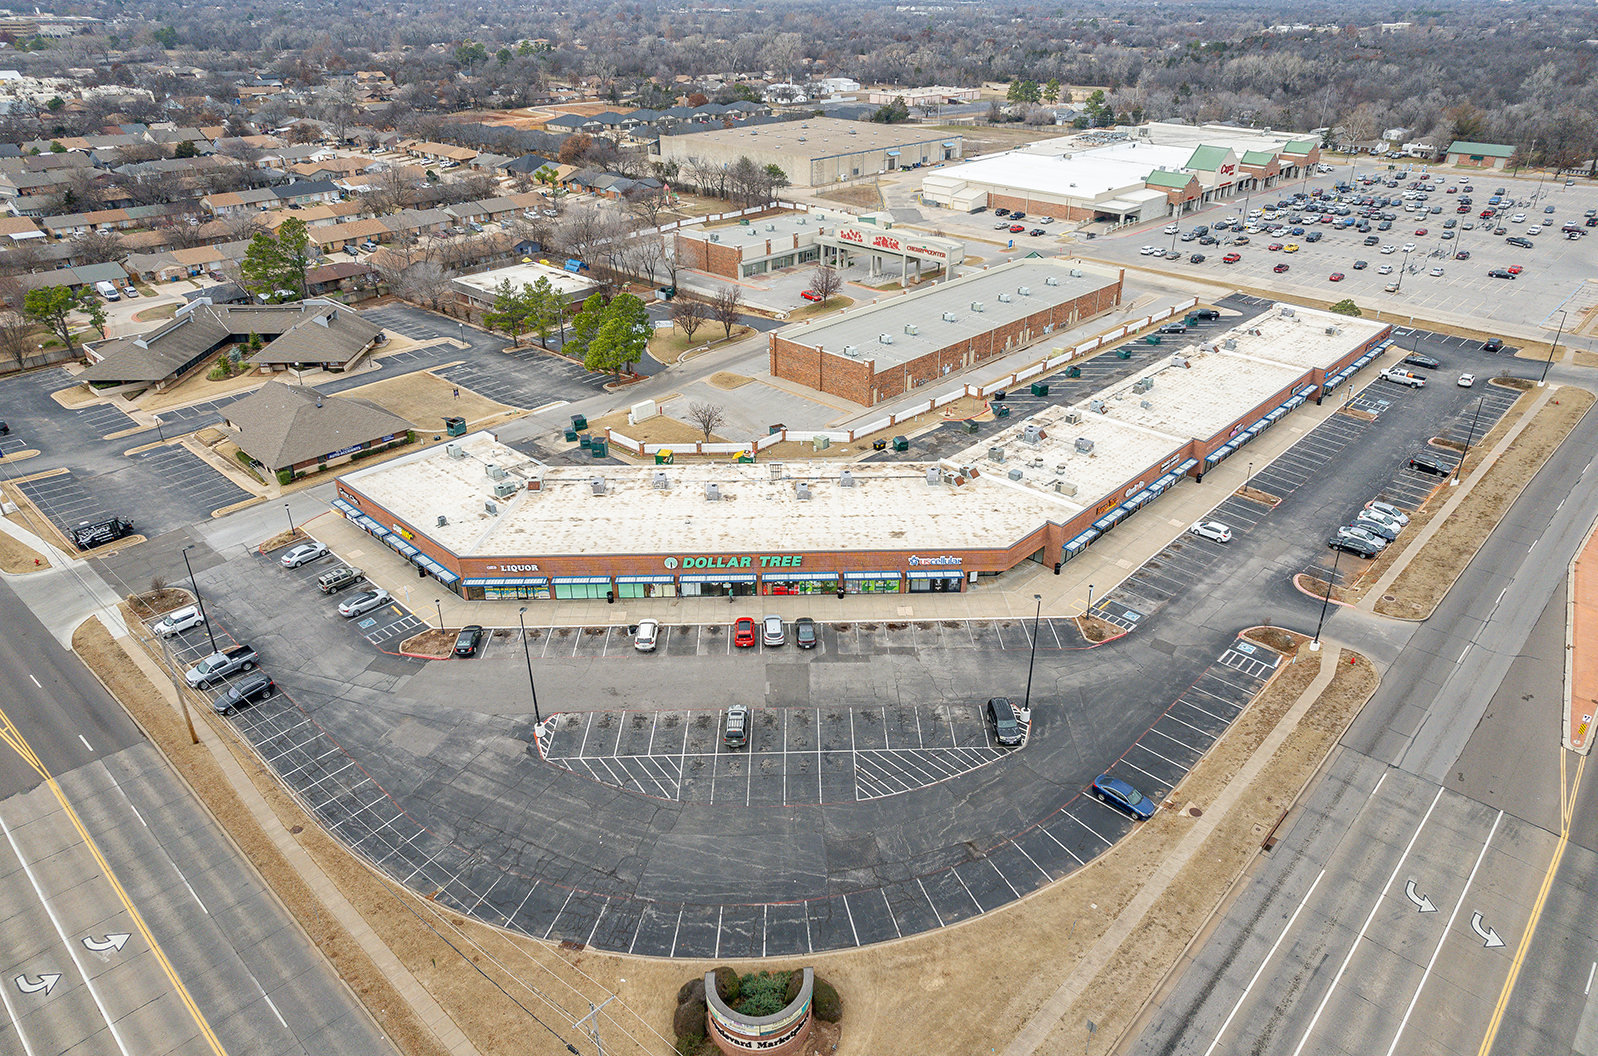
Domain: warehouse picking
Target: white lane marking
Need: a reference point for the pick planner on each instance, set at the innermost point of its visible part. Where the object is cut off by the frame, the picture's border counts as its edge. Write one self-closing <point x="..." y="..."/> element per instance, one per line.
<point x="72" y="947"/>
<point x="275" y="1012"/>
<point x="16" y="1023"/>
<point x="1501" y="594"/>
<point x="191" y="891"/>
<point x="1376" y="905"/>
<point x="85" y="741"/>
<point x="1590" y="972"/>
<point x="1462" y="653"/>
<point x="1444" y="936"/>
<point x="1244" y="995"/>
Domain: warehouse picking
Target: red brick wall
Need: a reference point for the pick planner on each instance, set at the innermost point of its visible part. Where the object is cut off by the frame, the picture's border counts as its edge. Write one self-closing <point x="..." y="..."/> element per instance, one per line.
<point x="1036" y="208"/>
<point x="705" y="255"/>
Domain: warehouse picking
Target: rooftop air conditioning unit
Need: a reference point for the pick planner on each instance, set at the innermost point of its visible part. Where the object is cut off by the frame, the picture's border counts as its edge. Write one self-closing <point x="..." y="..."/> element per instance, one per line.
<point x="846" y="479"/>
<point x="1025" y="291"/>
<point x="454" y="451"/>
<point x="1051" y="280"/>
<point x="1065" y="487"/>
<point x="715" y="238"/>
<point x="1073" y="417"/>
<point x="494" y="472"/>
<point x="1098" y="406"/>
<point x="976" y="306"/>
<point x="851" y="350"/>
<point x="995" y="454"/>
<point x="1084" y="445"/>
<point x="1230" y="344"/>
<point x="504" y="489"/>
<point x="775" y="469"/>
<point x="712" y="493"/>
<point x="949" y="317"/>
<point x="598" y="485"/>
<point x="442" y="520"/>
<point x="801" y="490"/>
<point x="1179" y="361"/>
<point x="1015" y="474"/>
<point x="934" y="477"/>
<point x="911" y="329"/>
<point x="1033" y="434"/>
<point x="1143" y="385"/>
<point x="1004" y="298"/>
<point x="771" y="227"/>
<point x="491" y="508"/>
<point x="1331" y="330"/>
<point x="886" y="339"/>
<point x="1076" y="273"/>
<point x="662" y="482"/>
<point x="1288" y="313"/>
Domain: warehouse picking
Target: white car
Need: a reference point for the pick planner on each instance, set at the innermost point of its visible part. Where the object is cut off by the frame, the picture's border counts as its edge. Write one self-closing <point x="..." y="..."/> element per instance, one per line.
<point x="1467" y="380"/>
<point x="1409" y="247"/>
<point x="1149" y="251"/>
<point x="1389" y="510"/>
<point x="771" y="632"/>
<point x="1351" y="531"/>
<point x="1389" y="248"/>
<point x="646" y="636"/>
<point x="1385" y="269"/>
<point x="1378" y="517"/>
<point x="1518" y="218"/>
<point x="1045" y="219"/>
<point x="1534" y="229"/>
<point x="178" y="621"/>
<point x="1172" y="229"/>
<point x="299" y="555"/>
<point x="364" y="602"/>
<point x="1437" y="271"/>
<point x="1213" y="530"/>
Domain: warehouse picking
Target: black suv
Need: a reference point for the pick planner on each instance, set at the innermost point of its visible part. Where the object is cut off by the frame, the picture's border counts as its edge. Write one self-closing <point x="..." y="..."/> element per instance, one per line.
<point x="1205" y="313"/>
<point x="804" y="632"/>
<point x="1424" y="465"/>
<point x="1001" y="713"/>
<point x="257" y="685"/>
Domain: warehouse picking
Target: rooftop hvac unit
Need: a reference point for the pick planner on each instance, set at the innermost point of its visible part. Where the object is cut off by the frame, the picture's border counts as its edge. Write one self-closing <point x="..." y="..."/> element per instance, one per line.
<point x="1065" y="487"/>
<point x="949" y="317"/>
<point x="851" y="350"/>
<point x="846" y="479"/>
<point x="1084" y="445"/>
<point x="1051" y="280"/>
<point x="1230" y="344"/>
<point x="771" y="227"/>
<point x="442" y="520"/>
<point x="1060" y="468"/>
<point x="494" y="472"/>
<point x="1033" y="434"/>
<point x="454" y="451"/>
<point x="1076" y="273"/>
<point x="933" y="476"/>
<point x="1288" y="313"/>
<point x="598" y="485"/>
<point x="715" y="238"/>
<point x="491" y="508"/>
<point x="886" y="339"/>
<point x="1098" y="406"/>
<point x="1146" y="405"/>
<point x="1036" y="463"/>
<point x="995" y="454"/>
<point x="1004" y="298"/>
<point x="976" y="306"/>
<point x="504" y="489"/>
<point x="1014" y="474"/>
<point x="1073" y="417"/>
<point x="1143" y="385"/>
<point x="1180" y="361"/>
<point x="662" y="482"/>
<point x="803" y="220"/>
<point x="1025" y="291"/>
<point x="1331" y="330"/>
<point x="801" y="490"/>
<point x="911" y="329"/>
<point x="712" y="493"/>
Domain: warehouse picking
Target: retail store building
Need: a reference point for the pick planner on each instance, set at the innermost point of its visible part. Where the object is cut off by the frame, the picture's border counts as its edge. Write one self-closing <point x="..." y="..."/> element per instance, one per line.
<point x="817" y="151"/>
<point x="741" y="248"/>
<point x="490" y="523"/>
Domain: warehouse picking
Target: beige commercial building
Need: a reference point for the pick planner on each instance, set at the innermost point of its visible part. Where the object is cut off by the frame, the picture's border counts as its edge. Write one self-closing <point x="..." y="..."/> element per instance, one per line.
<point x="818" y="151"/>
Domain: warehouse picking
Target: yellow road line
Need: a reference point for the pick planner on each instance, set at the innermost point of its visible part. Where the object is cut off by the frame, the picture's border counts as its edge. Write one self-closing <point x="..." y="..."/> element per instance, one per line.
<point x="1567" y="806"/>
<point x="11" y="736"/>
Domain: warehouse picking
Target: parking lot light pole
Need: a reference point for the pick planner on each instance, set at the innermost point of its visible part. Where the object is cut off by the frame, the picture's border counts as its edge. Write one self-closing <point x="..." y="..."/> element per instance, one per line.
<point x="199" y="604"/>
<point x="291" y="517"/>
<point x="1552" y="349"/>
<point x="1468" y="438"/>
<point x="1089" y="610"/>
<point x="158" y="430"/>
<point x="1315" y="644"/>
<point x="526" y="652"/>
<point x="1036" y="616"/>
<point x="1402" y="268"/>
<point x="439" y="606"/>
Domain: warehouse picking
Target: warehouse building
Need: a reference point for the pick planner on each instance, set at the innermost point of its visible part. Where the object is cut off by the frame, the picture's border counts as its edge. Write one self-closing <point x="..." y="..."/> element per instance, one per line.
<point x="884" y="351"/>
<point x="738" y="249"/>
<point x="817" y="151"/>
<point x="491" y="523"/>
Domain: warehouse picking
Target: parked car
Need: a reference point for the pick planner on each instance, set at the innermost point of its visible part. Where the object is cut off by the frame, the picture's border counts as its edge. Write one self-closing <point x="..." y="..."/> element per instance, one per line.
<point x="646" y="635"/>
<point x="804" y="633"/>
<point x="1521" y="243"/>
<point x="303" y="553"/>
<point x="1360" y="265"/>
<point x="1403" y="377"/>
<point x="177" y="621"/>
<point x="467" y="641"/>
<point x="1006" y="212"/>
<point x="364" y="602"/>
<point x="1415" y="359"/>
<point x="336" y="579"/>
<point x="219" y="665"/>
<point x="255" y="686"/>
<point x="1426" y="465"/>
<point x="1467" y="380"/>
<point x="1196" y="258"/>
<point x="1037" y="231"/>
<point x="130" y="291"/>
<point x="771" y="631"/>
<point x="1016" y="229"/>
<point x="1335" y="276"/>
<point x="1173" y="328"/>
<point x="737" y="730"/>
<point x="1205" y="313"/>
<point x="1354" y="531"/>
<point x="1001" y="715"/>
<point x="1350" y="545"/>
<point x="1280" y="268"/>
<point x="743" y="631"/>
<point x="1389" y="509"/>
<point x="1123" y="797"/>
<point x="1493" y="344"/>
<point x="1213" y="530"/>
<point x="810" y="295"/>
<point x="1231" y="258"/>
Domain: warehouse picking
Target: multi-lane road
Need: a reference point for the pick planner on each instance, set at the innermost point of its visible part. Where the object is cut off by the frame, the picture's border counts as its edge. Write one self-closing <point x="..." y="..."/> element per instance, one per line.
<point x="129" y="924"/>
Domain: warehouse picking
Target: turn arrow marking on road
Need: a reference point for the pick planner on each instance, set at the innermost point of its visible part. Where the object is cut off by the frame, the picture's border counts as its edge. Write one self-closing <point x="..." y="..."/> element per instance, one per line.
<point x="1489" y="937"/>
<point x="110" y="942"/>
<point x="1421" y="901"/>
<point x="45" y="982"/>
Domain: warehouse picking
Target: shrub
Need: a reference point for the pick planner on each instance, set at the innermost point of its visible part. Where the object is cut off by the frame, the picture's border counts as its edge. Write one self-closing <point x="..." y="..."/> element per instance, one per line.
<point x="692" y="990"/>
<point x="762" y="995"/>
<point x="727" y="984"/>
<point x="796" y="982"/>
<point x="689" y="1020"/>
<point x="826" y="1003"/>
<point x="284" y="476"/>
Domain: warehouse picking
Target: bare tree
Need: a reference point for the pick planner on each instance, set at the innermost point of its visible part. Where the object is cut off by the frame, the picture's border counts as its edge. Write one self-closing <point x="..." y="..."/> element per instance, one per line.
<point x="425" y="282"/>
<point x="241" y="225"/>
<point x="392" y="190"/>
<point x="98" y="247"/>
<point x="646" y="204"/>
<point x="644" y="255"/>
<point x="689" y="315"/>
<point x="16" y="337"/>
<point x="726" y="306"/>
<point x="825" y="282"/>
<point x="707" y="416"/>
<point x="182" y="231"/>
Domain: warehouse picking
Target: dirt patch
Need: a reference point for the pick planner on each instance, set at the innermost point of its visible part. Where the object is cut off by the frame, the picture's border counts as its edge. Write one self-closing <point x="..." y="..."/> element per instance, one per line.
<point x="1432" y="570"/>
<point x="153" y="603"/>
<point x="1096" y="630"/>
<point x="726" y="379"/>
<point x="1364" y="416"/>
<point x="981" y="139"/>
<point x="210" y="436"/>
<point x="1585" y="359"/>
<point x="76" y="396"/>
<point x="424" y="399"/>
<point x="666" y="345"/>
<point x="1284" y="642"/>
<point x="434" y="643"/>
<point x="282" y="539"/>
<point x="661" y="429"/>
<point x="861" y="195"/>
<point x="1316" y="587"/>
<point x="836" y="303"/>
<point x="17" y="557"/>
<point x="1264" y="498"/>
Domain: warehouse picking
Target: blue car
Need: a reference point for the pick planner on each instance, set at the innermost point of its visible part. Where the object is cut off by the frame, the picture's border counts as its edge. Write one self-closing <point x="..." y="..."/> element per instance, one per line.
<point x="1123" y="797"/>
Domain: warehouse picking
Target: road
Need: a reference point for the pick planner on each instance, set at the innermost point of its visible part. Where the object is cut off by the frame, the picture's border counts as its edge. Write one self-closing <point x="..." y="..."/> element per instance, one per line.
<point x="1424" y="896"/>
<point x="129" y="922"/>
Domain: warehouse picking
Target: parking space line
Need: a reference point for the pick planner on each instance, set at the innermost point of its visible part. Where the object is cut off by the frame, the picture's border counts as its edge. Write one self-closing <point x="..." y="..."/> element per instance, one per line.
<point x="1145" y="773"/>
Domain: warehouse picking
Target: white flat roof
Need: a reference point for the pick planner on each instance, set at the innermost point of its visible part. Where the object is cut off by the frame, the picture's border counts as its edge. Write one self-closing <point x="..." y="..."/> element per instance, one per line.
<point x="1083" y="176"/>
<point x="566" y="283"/>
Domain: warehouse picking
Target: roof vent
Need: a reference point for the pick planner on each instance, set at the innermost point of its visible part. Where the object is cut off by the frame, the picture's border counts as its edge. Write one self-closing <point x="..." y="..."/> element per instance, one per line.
<point x="715" y="238"/>
<point x="662" y="482"/>
<point x="712" y="492"/>
<point x="1084" y="445"/>
<point x="1143" y="385"/>
<point x="1145" y="404"/>
<point x="491" y="508"/>
<point x="949" y="317"/>
<point x="852" y="350"/>
<point x="1004" y="298"/>
<point x="454" y="451"/>
<point x="494" y="472"/>
<point x="771" y="227"/>
<point x="801" y="490"/>
<point x="846" y="479"/>
<point x="886" y="339"/>
<point x="976" y="306"/>
<point x="1097" y="406"/>
<point x="442" y="520"/>
<point x="1051" y="280"/>
<point x="1331" y="331"/>
<point x="995" y="454"/>
<point x="598" y="485"/>
<point x="1015" y="474"/>
<point x="911" y="329"/>
<point x="1229" y="344"/>
<point x="1073" y="417"/>
<point x="1025" y="291"/>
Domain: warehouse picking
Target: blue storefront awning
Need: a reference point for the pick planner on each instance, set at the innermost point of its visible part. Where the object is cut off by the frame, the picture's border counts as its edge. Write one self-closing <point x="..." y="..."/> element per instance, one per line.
<point x="871" y="575"/>
<point x="1185" y="466"/>
<point x="795" y="577"/>
<point x="400" y="545"/>
<point x="371" y="526"/>
<point x="345" y="508"/>
<point x="948" y="573"/>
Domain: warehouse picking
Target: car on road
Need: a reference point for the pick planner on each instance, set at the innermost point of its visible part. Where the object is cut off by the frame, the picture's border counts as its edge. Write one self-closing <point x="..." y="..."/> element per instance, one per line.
<point x="1493" y="344"/>
<point x="1350" y="545"/>
<point x="1001" y="716"/>
<point x="1231" y="258"/>
<point x="467" y="641"/>
<point x="810" y="295"/>
<point x="177" y="621"/>
<point x="303" y="553"/>
<point x="647" y="634"/>
<point x="257" y="685"/>
<point x="1467" y="381"/>
<point x="1280" y="268"/>
<point x="1213" y="530"/>
<point x="1123" y="797"/>
<point x="1354" y="531"/>
<point x="772" y="632"/>
<point x="1389" y="509"/>
<point x="364" y="602"/>
<point x="1335" y="276"/>
<point x="1403" y="377"/>
<point x="736" y="734"/>
<point x="804" y="633"/>
<point x="743" y="632"/>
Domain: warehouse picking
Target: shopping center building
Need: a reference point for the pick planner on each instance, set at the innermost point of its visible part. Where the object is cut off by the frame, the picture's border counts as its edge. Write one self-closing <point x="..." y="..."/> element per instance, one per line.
<point x="489" y="522"/>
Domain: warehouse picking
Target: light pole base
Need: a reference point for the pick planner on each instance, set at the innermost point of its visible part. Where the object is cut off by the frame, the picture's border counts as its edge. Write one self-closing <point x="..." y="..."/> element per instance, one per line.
<point x="1315" y="646"/>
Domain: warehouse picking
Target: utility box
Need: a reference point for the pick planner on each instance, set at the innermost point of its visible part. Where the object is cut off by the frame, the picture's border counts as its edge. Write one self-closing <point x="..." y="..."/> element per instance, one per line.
<point x="1151" y="339"/>
<point x="455" y="426"/>
<point x="585" y="441"/>
<point x="969" y="426"/>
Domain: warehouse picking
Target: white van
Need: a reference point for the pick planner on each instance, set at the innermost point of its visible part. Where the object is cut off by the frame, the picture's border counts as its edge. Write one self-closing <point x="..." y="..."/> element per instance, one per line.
<point x="108" y="291"/>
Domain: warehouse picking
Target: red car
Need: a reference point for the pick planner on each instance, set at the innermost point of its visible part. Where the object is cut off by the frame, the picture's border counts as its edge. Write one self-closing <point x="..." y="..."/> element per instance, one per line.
<point x="1231" y="258"/>
<point x="1279" y="268"/>
<point x="1420" y="232"/>
<point x="1514" y="269"/>
<point x="1016" y="229"/>
<point x="1486" y="214"/>
<point x="743" y="631"/>
<point x="810" y="295"/>
<point x="1336" y="276"/>
<point x="1274" y="246"/>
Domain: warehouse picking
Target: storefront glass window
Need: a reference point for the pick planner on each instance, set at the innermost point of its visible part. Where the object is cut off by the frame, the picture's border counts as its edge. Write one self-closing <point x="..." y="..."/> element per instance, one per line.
<point x="646" y="590"/>
<point x="799" y="586"/>
<point x="564" y="591"/>
<point x="872" y="586"/>
<point x="942" y="585"/>
<point x="520" y="592"/>
<point x="717" y="590"/>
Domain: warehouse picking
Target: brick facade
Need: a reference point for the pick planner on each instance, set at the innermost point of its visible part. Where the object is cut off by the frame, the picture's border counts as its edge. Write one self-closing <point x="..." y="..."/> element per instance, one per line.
<point x="717" y="258"/>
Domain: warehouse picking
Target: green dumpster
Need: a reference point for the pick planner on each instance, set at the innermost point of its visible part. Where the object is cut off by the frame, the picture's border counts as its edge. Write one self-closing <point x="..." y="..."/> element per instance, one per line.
<point x="664" y="458"/>
<point x="969" y="426"/>
<point x="579" y="422"/>
<point x="1073" y="372"/>
<point x="901" y="444"/>
<point x="1039" y="389"/>
<point x="455" y="426"/>
<point x="1001" y="411"/>
<point x="571" y="436"/>
<point x="1191" y="320"/>
<point x="597" y="448"/>
<point x="1123" y="353"/>
<point x="585" y="441"/>
<point x="1152" y="339"/>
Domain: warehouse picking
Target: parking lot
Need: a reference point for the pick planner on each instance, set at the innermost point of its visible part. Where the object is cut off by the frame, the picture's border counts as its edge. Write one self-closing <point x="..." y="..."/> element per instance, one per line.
<point x="185" y="490"/>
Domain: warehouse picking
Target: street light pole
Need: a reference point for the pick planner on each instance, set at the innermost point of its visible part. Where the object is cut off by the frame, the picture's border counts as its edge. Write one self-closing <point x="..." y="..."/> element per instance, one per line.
<point x="1089" y="610"/>
<point x="198" y="603"/>
<point x="158" y="430"/>
<point x="526" y="652"/>
<point x="1552" y="349"/>
<point x="440" y="608"/>
<point x="1315" y="644"/>
<point x="291" y="517"/>
<point x="1035" y="617"/>
<point x="1468" y="438"/>
<point x="1402" y="268"/>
